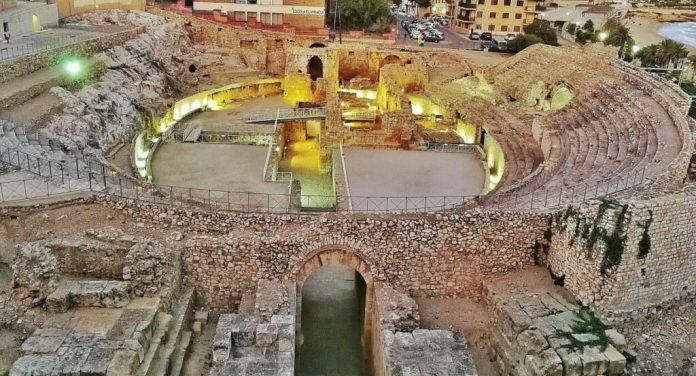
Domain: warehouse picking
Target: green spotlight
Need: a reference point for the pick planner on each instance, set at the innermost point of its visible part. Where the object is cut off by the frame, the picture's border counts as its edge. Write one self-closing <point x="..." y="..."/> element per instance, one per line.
<point x="73" y="67"/>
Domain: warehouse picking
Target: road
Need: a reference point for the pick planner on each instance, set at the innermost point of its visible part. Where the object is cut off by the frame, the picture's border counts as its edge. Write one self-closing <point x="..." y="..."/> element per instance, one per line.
<point x="452" y="40"/>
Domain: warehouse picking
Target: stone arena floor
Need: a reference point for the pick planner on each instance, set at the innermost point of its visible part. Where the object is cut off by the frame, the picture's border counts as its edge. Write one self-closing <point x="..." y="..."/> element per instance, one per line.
<point x="236" y="168"/>
<point x="400" y="173"/>
<point x="233" y="117"/>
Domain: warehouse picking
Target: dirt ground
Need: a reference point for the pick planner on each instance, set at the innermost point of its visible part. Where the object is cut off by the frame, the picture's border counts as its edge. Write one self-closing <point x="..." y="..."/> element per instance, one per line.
<point x="200" y="352"/>
<point x="471" y="318"/>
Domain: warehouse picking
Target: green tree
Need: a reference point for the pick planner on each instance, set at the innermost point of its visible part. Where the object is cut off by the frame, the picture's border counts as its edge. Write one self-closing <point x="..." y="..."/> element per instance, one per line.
<point x="671" y="53"/>
<point x="571" y="28"/>
<point x="371" y="15"/>
<point x="543" y="30"/>
<point x="648" y="56"/>
<point x="588" y="26"/>
<point x="692" y="62"/>
<point x="523" y="41"/>
<point x="617" y="35"/>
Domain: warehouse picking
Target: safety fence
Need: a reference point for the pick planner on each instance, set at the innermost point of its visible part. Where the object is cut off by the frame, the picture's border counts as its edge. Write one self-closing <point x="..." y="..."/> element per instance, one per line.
<point x="74" y="174"/>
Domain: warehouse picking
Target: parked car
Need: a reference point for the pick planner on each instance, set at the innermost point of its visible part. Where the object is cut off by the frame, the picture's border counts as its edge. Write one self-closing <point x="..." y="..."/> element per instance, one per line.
<point x="429" y="37"/>
<point x="510" y="37"/>
<point x="474" y="36"/>
<point x="486" y="35"/>
<point x="415" y="34"/>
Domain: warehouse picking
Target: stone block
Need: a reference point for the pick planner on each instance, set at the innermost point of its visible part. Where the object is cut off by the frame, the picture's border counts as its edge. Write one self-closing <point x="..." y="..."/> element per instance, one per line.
<point x="97" y="362"/>
<point x="552" y="304"/>
<point x="222" y="341"/>
<point x="243" y="334"/>
<point x="201" y="316"/>
<point x="533" y="306"/>
<point x="42" y="344"/>
<point x="266" y="334"/>
<point x="617" y="362"/>
<point x="134" y="345"/>
<point x="73" y="358"/>
<point x="286" y="338"/>
<point x="59" y="301"/>
<point x="123" y="363"/>
<point x="532" y="342"/>
<point x="283" y="319"/>
<point x="196" y="327"/>
<point x="616" y="339"/>
<point x="546" y="363"/>
<point x="35" y="364"/>
<point x="513" y="320"/>
<point x="572" y="364"/>
<point x="593" y="361"/>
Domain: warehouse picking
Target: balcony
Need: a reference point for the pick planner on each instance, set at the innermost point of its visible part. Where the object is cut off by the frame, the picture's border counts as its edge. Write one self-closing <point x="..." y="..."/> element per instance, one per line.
<point x="535" y="9"/>
<point x="466" y="19"/>
<point x="466" y="5"/>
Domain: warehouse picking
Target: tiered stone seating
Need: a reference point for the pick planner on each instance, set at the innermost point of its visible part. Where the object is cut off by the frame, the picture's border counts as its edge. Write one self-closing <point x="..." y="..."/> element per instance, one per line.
<point x="608" y="139"/>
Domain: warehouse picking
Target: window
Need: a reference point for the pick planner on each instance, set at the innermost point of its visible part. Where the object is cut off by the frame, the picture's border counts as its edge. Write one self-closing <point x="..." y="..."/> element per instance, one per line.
<point x="507" y="2"/>
<point x="506" y="15"/>
<point x="520" y="3"/>
<point x="479" y="14"/>
<point x="516" y="29"/>
<point x="518" y="16"/>
<point x="277" y="18"/>
<point x="266" y="18"/>
<point x="504" y="28"/>
<point x="482" y="2"/>
<point x="494" y="2"/>
<point x="491" y="27"/>
<point x="479" y="27"/>
<point x="492" y="15"/>
<point x="5" y="27"/>
<point x="240" y="16"/>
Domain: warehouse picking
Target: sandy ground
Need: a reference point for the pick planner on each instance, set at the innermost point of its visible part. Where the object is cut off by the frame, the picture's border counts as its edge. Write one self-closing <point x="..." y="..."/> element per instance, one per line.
<point x="200" y="352"/>
<point x="399" y="173"/>
<point x="471" y="318"/>
<point x="237" y="168"/>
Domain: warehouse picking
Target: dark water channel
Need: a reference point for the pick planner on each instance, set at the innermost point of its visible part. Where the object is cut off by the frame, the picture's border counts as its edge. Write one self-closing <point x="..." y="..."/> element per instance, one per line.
<point x="333" y="306"/>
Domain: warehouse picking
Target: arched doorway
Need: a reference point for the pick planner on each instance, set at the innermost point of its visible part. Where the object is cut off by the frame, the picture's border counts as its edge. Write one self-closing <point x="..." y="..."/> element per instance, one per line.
<point x="346" y="267"/>
<point x="317" y="45"/>
<point x="315" y="68"/>
<point x="390" y="59"/>
<point x="333" y="302"/>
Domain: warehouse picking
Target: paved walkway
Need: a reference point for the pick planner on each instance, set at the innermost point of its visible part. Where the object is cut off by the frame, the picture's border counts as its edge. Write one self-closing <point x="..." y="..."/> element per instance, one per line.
<point x="45" y="40"/>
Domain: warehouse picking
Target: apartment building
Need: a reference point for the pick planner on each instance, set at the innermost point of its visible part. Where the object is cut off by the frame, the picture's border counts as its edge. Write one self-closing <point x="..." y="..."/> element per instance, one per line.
<point x="499" y="17"/>
<point x="302" y="14"/>
<point x="19" y="18"/>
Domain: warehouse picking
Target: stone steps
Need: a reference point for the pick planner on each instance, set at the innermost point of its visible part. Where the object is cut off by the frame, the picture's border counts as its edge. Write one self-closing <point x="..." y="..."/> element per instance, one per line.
<point x="159" y="336"/>
<point x="161" y="362"/>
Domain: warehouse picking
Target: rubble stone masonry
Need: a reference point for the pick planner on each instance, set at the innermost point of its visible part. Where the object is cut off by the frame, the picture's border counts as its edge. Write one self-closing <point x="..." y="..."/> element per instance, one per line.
<point x="424" y="254"/>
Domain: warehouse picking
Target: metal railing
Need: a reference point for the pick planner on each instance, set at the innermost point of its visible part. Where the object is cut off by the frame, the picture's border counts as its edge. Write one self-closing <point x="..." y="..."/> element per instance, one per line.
<point x="289" y="114"/>
<point x="47" y="44"/>
<point x="85" y="174"/>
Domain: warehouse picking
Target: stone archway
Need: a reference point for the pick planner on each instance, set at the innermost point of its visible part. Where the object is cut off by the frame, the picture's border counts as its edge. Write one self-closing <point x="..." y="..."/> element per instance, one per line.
<point x="339" y="255"/>
<point x="390" y="59"/>
<point x="315" y="68"/>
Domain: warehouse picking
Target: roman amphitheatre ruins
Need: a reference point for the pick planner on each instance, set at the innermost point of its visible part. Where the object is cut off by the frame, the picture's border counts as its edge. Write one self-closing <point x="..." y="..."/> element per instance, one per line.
<point x="208" y="200"/>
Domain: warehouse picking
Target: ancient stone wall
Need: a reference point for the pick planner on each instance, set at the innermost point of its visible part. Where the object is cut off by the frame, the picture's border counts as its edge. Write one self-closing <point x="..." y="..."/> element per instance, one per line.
<point x="426" y="254"/>
<point x="629" y="255"/>
<point x="31" y="63"/>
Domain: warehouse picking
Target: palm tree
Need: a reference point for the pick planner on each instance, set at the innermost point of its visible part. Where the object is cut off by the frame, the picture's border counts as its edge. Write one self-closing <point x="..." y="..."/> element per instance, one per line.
<point x="670" y="52"/>
<point x="692" y="62"/>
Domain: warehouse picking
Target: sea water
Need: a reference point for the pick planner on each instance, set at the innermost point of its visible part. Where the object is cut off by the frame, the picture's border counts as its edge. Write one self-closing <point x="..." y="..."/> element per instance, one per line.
<point x="684" y="32"/>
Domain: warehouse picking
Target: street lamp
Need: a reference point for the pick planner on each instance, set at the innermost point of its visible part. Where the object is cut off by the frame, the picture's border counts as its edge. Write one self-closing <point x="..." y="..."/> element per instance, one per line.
<point x="603" y="35"/>
<point x="635" y="48"/>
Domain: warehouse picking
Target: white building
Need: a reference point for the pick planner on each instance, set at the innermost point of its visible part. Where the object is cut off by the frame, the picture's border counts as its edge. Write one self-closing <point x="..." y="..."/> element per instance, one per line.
<point x="19" y="18"/>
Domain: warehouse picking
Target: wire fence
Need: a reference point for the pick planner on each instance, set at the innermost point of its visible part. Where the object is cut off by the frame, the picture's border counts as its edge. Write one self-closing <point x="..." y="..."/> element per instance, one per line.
<point x="40" y="45"/>
<point x="73" y="174"/>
